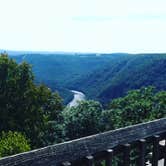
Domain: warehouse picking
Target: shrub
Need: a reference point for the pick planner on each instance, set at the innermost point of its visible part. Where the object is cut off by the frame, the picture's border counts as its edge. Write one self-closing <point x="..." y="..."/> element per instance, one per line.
<point x="13" y="143"/>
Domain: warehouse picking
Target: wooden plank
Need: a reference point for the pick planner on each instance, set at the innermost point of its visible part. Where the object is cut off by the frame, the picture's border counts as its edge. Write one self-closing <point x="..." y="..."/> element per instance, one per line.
<point x="69" y="151"/>
<point x="165" y="153"/>
<point x="66" y="163"/>
<point x="126" y="155"/>
<point x="155" y="155"/>
<point x="109" y="156"/>
<point x="142" y="151"/>
<point x="89" y="160"/>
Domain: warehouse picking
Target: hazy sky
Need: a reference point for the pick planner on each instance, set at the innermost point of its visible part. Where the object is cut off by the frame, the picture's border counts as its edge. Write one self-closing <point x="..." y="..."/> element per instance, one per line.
<point x="83" y="25"/>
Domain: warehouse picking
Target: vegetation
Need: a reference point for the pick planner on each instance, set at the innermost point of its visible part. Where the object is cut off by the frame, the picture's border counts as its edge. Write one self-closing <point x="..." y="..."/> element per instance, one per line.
<point x="25" y="107"/>
<point x="13" y="143"/>
<point x="62" y="72"/>
<point x="123" y="74"/>
<point x="82" y="120"/>
<point x="101" y="78"/>
<point x="34" y="116"/>
<point x="136" y="107"/>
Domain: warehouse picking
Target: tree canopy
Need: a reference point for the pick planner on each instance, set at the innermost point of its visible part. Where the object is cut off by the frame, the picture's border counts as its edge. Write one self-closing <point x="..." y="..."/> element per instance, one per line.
<point x="82" y="120"/>
<point x="13" y="143"/>
<point x="137" y="106"/>
<point x="24" y="106"/>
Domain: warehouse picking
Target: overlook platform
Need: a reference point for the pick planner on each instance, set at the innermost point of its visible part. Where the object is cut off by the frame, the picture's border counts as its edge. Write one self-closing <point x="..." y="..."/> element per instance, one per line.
<point x="130" y="146"/>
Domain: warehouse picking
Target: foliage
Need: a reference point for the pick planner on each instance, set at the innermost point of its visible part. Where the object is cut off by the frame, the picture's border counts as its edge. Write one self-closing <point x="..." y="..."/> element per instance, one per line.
<point x="25" y="107"/>
<point x="38" y="113"/>
<point x="62" y="72"/>
<point x="54" y="133"/>
<point x="159" y="109"/>
<point x="142" y="70"/>
<point x="54" y="127"/>
<point x="136" y="107"/>
<point x="82" y="120"/>
<point x="102" y="77"/>
<point x="13" y="143"/>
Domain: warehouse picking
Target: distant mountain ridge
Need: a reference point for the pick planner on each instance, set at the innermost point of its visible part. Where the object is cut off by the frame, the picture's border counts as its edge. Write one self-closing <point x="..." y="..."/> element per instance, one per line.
<point x="15" y="52"/>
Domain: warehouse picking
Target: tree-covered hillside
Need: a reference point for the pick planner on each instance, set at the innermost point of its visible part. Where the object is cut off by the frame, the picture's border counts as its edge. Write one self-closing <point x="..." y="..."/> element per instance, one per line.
<point x="61" y="71"/>
<point x="115" y="79"/>
<point x="101" y="77"/>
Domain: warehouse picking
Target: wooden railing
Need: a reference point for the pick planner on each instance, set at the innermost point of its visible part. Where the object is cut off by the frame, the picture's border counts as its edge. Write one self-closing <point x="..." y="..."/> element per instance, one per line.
<point x="134" y="145"/>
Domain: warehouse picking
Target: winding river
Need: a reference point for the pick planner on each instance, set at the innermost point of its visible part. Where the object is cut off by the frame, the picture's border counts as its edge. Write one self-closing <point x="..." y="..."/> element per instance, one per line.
<point x="78" y="96"/>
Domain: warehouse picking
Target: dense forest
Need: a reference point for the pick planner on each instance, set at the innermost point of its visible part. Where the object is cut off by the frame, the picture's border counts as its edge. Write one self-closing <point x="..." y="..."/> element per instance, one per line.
<point x="32" y="115"/>
<point x="125" y="74"/>
<point x="100" y="76"/>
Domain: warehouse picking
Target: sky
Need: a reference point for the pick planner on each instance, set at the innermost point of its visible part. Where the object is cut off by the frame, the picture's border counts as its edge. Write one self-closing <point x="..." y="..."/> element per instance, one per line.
<point x="133" y="26"/>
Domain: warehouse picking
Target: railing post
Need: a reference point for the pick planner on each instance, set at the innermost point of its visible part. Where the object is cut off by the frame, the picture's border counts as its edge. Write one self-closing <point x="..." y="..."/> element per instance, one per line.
<point x="109" y="155"/>
<point x="89" y="160"/>
<point x="66" y="163"/>
<point x="155" y="155"/>
<point x="142" y="145"/>
<point x="126" y="155"/>
<point x="165" y="153"/>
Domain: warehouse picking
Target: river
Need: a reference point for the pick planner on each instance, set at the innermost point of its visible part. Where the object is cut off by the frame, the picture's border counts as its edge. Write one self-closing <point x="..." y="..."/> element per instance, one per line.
<point x="78" y="96"/>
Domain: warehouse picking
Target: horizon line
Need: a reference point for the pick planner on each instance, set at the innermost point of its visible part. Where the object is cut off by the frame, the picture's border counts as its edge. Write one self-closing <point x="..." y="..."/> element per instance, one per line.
<point x="75" y="52"/>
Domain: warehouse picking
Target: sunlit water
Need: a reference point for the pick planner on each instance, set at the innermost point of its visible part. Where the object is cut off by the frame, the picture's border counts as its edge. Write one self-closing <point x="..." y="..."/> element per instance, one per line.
<point x="78" y="96"/>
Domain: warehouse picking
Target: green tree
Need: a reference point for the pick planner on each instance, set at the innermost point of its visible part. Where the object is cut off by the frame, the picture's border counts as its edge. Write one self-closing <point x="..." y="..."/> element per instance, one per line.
<point x="82" y="120"/>
<point x="54" y="132"/>
<point x="24" y="106"/>
<point x="136" y="107"/>
<point x="13" y="143"/>
<point x="159" y="109"/>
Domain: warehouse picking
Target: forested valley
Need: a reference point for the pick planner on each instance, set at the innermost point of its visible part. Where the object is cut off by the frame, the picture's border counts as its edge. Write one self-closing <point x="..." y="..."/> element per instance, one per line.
<point x="100" y="76"/>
